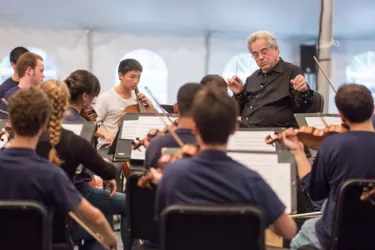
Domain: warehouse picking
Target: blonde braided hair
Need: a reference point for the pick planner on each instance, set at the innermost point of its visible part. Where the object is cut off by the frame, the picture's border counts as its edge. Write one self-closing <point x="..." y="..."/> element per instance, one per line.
<point x="58" y="92"/>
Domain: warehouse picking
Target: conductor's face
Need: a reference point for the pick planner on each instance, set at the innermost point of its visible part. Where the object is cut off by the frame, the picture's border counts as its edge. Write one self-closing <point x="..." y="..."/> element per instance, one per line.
<point x="130" y="79"/>
<point x="265" y="56"/>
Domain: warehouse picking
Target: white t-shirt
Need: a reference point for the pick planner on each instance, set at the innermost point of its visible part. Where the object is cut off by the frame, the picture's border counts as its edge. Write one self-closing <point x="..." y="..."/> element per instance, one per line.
<point x="110" y="106"/>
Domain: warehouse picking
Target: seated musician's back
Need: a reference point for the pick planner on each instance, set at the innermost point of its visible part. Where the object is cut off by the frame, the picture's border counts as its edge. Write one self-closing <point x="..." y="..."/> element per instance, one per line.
<point x="26" y="176"/>
<point x="340" y="157"/>
<point x="185" y="97"/>
<point x="212" y="177"/>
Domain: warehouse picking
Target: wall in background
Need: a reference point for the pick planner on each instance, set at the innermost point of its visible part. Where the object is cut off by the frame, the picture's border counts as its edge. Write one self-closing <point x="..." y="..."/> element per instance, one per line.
<point x="184" y="56"/>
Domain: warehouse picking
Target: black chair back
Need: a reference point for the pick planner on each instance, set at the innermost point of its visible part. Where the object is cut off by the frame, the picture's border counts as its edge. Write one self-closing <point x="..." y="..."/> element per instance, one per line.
<point x="186" y="227"/>
<point x="354" y="219"/>
<point x="140" y="211"/>
<point x="318" y="106"/>
<point x="26" y="225"/>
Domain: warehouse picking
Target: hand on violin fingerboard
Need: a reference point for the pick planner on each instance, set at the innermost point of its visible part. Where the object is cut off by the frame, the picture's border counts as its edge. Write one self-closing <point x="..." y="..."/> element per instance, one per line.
<point x="154" y="176"/>
<point x="299" y="83"/>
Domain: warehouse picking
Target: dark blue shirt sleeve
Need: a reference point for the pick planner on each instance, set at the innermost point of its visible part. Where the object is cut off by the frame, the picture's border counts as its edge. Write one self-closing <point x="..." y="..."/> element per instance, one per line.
<point x="153" y="154"/>
<point x="163" y="197"/>
<point x="63" y="193"/>
<point x="267" y="200"/>
<point x="317" y="184"/>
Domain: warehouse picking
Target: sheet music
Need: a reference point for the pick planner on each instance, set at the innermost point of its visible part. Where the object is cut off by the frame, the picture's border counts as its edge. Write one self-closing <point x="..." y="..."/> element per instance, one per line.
<point x="138" y="155"/>
<point x="75" y="128"/>
<point x="250" y="140"/>
<point x="277" y="175"/>
<point x="128" y="129"/>
<point x="132" y="129"/>
<point x="317" y="122"/>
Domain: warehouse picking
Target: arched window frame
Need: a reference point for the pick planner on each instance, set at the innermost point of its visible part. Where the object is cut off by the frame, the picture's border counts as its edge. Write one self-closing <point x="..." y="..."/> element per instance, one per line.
<point x="154" y="74"/>
<point x="50" y="70"/>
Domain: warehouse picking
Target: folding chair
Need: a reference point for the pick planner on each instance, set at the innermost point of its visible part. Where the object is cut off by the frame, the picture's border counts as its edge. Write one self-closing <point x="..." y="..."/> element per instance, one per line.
<point x="140" y="211"/>
<point x="354" y="219"/>
<point x="186" y="227"/>
<point x="25" y="224"/>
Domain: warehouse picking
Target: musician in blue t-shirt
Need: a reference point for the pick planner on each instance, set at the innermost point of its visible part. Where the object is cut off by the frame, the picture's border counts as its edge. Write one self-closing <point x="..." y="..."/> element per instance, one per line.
<point x="26" y="176"/>
<point x="212" y="177"/>
<point x="340" y="157"/>
<point x="12" y="81"/>
<point x="185" y="97"/>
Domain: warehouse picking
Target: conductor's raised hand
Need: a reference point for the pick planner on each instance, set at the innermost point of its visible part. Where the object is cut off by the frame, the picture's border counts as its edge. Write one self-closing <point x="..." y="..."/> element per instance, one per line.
<point x="235" y="84"/>
<point x="299" y="83"/>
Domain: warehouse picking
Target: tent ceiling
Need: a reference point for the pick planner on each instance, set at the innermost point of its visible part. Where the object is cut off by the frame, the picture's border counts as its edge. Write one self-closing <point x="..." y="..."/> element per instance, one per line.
<point x="290" y="18"/>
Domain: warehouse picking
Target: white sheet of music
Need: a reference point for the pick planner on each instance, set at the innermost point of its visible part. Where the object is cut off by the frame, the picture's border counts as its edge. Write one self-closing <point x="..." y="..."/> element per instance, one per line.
<point x="138" y="155"/>
<point x="277" y="175"/>
<point x="145" y="123"/>
<point x="75" y="128"/>
<point x="250" y="140"/>
<point x="128" y="129"/>
<point x="317" y="122"/>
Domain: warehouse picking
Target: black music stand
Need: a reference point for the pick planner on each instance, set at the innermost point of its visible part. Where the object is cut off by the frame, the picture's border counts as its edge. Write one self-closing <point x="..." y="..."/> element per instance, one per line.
<point x="87" y="131"/>
<point x="123" y="147"/>
<point x="168" y="108"/>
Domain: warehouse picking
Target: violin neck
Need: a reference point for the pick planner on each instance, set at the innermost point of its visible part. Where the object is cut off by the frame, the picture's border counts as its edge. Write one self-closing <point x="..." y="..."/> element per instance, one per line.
<point x="141" y="106"/>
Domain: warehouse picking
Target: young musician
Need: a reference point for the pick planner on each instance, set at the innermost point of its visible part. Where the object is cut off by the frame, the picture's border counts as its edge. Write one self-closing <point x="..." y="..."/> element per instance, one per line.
<point x="185" y="97"/>
<point x="27" y="176"/>
<point x="213" y="177"/>
<point x="14" y="79"/>
<point x="340" y="157"/>
<point x="83" y="87"/>
<point x="30" y="69"/>
<point x="111" y="105"/>
<point x="215" y="81"/>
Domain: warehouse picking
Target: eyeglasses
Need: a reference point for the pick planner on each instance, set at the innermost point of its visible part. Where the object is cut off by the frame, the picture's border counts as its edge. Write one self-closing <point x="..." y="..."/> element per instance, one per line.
<point x="262" y="52"/>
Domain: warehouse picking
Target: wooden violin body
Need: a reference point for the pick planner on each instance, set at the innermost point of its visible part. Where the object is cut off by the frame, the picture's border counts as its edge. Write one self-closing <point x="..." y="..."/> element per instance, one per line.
<point x="185" y="151"/>
<point x="310" y="137"/>
<point x="89" y="114"/>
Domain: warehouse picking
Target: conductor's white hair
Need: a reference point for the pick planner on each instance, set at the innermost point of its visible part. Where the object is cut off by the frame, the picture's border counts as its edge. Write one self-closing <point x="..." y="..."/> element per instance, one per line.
<point x="263" y="34"/>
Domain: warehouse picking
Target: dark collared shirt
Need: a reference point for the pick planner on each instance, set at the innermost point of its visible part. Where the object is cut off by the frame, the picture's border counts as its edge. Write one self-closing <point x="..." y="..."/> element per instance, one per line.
<point x="269" y="100"/>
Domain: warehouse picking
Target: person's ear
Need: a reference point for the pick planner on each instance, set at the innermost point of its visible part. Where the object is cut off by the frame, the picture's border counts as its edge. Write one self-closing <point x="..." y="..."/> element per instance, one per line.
<point x="176" y="108"/>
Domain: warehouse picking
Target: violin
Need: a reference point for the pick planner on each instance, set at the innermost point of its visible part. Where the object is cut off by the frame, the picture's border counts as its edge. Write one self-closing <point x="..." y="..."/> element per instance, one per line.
<point x="89" y="114"/>
<point x="310" y="137"/>
<point x="187" y="150"/>
<point x="152" y="134"/>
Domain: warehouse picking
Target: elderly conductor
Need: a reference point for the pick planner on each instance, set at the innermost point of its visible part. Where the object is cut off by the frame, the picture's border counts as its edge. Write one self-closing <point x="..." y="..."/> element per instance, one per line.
<point x="274" y="92"/>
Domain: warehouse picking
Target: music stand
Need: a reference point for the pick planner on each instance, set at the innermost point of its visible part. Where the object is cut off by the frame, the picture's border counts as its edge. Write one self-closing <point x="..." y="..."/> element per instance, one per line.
<point x="122" y="149"/>
<point x="84" y="129"/>
<point x="283" y="157"/>
<point x="168" y="108"/>
<point x="272" y="131"/>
